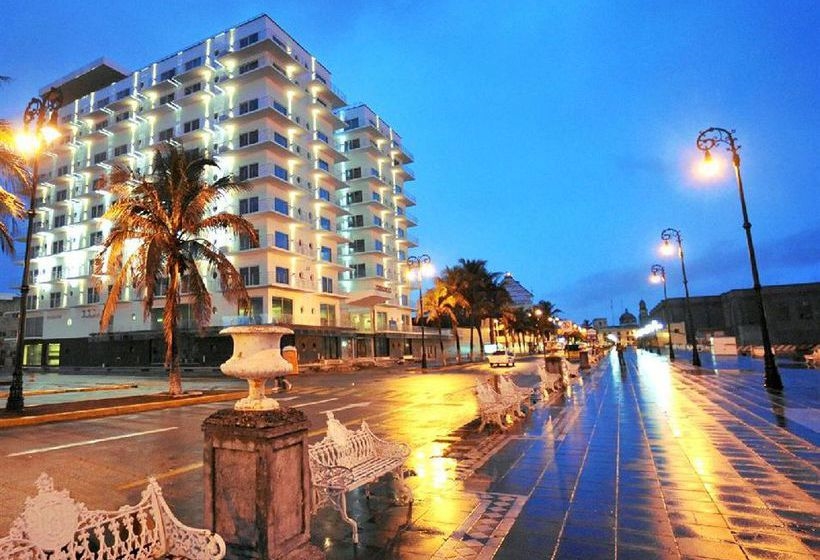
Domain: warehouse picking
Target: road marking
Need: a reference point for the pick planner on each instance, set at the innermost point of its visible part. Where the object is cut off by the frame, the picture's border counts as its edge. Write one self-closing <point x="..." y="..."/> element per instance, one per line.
<point x="89" y="442"/>
<point x="311" y="403"/>
<point x="354" y="405"/>
<point x="167" y="474"/>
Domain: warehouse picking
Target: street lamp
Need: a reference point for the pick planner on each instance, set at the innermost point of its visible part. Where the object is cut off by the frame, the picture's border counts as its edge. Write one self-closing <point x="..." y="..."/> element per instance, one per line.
<point x="707" y="140"/>
<point x="659" y="275"/>
<point x="421" y="265"/>
<point x="666" y="235"/>
<point x="41" y="113"/>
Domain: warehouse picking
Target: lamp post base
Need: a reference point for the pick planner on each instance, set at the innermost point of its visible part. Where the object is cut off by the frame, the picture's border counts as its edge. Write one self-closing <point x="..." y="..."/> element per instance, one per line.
<point x="771" y="379"/>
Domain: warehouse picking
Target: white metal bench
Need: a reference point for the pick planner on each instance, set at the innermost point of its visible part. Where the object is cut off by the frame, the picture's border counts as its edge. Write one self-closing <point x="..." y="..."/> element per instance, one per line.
<point x="54" y="526"/>
<point x="492" y="407"/>
<point x="550" y="382"/>
<point x="345" y="460"/>
<point x="519" y="395"/>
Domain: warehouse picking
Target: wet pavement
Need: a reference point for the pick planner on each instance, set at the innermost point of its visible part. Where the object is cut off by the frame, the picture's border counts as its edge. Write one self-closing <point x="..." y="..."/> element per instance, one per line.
<point x="646" y="462"/>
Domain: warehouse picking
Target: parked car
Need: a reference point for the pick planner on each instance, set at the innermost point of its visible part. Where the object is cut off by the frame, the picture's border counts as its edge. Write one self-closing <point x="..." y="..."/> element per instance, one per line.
<point x="501" y="358"/>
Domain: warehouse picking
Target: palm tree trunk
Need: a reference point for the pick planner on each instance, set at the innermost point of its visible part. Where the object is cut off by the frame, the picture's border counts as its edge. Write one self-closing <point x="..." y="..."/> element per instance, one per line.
<point x="170" y="331"/>
<point x="441" y="344"/>
<point x="472" y="326"/>
<point x="458" y="344"/>
<point x="480" y="341"/>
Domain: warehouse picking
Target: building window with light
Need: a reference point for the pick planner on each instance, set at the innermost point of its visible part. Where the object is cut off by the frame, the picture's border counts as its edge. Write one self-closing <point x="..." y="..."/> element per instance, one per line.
<point x="250" y="275"/>
<point x="249" y="171"/>
<point x="248" y="205"/>
<point x="282" y="275"/>
<point x="359" y="270"/>
<point x="280" y="172"/>
<point x="248" y="106"/>
<point x="326" y="254"/>
<point x="248" y="138"/>
<point x="55" y="299"/>
<point x="281" y="240"/>
<point x="92" y="295"/>
<point x="327" y="285"/>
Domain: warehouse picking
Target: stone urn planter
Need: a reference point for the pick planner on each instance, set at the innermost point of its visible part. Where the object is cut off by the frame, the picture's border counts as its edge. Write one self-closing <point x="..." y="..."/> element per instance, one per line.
<point x="256" y="358"/>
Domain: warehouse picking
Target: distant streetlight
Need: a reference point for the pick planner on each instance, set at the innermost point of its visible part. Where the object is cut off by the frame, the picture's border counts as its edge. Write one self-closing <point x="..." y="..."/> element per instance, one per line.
<point x="659" y="275"/>
<point x="707" y="140"/>
<point x="421" y="265"/>
<point x="41" y="113"/>
<point x="667" y="249"/>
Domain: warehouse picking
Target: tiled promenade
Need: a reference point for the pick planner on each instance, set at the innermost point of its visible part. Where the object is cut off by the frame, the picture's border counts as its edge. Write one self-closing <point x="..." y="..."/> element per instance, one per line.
<point x="654" y="463"/>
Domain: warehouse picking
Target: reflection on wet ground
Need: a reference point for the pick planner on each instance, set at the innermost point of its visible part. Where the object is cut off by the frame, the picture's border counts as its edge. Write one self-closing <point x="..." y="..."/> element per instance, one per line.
<point x="645" y="462"/>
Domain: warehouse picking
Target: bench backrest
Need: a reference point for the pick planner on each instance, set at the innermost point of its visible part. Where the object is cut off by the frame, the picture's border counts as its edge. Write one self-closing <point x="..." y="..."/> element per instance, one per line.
<point x="343" y="447"/>
<point x="506" y="385"/>
<point x="486" y="394"/>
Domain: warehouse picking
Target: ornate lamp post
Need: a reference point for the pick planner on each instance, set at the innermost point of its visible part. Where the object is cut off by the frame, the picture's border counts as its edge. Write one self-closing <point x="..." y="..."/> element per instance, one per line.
<point x="707" y="140"/>
<point x="666" y="235"/>
<point x="659" y="275"/>
<point x="41" y="112"/>
<point x="420" y="264"/>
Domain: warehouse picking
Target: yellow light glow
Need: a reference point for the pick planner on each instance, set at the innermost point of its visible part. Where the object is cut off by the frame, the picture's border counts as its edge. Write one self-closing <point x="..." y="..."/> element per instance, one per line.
<point x="710" y="167"/>
<point x="654" y="279"/>
<point x="667" y="249"/>
<point x="27" y="143"/>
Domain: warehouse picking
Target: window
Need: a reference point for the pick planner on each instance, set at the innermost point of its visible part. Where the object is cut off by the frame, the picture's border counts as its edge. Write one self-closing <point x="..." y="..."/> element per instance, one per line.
<point x="123" y="93"/>
<point x="192" y="154"/>
<point x="374" y="172"/>
<point x="380" y="270"/>
<point x="282" y="275"/>
<point x="246" y="242"/>
<point x="101" y="125"/>
<point x="168" y="74"/>
<point x="59" y="221"/>
<point x="193" y="88"/>
<point x="405" y="301"/>
<point x="248" y="106"/>
<point x="193" y="63"/>
<point x="377" y="221"/>
<point x="254" y="310"/>
<point x="354" y="197"/>
<point x="378" y="245"/>
<point x="122" y="116"/>
<point x="282" y="308"/>
<point x="250" y="275"/>
<point x="57" y="272"/>
<point x="355" y="173"/>
<point x="95" y="238"/>
<point x="248" y="171"/>
<point x="57" y="246"/>
<point x="167" y="98"/>
<point x="103" y="102"/>
<point x="248" y="205"/>
<point x="327" y="314"/>
<point x="281" y="140"/>
<point x="55" y="299"/>
<point x="400" y="233"/>
<point x="401" y="255"/>
<point x="324" y="194"/>
<point x="352" y="123"/>
<point x="357" y="246"/>
<point x="280" y="172"/>
<point x="359" y="270"/>
<point x="248" y="40"/>
<point x="375" y="196"/>
<point x="324" y="223"/>
<point x="280" y="206"/>
<point x="167" y="134"/>
<point x="97" y="211"/>
<point x="31" y="302"/>
<point x="100" y="157"/>
<point x="281" y="108"/>
<point x="352" y="144"/>
<point x="121" y="150"/>
<point x="355" y="221"/>
<point x="323" y="165"/>
<point x="327" y="285"/>
<point x="62" y="170"/>
<point x="248" y="66"/>
<point x="92" y="295"/>
<point x="326" y="254"/>
<point x="190" y="126"/>
<point x="322" y="136"/>
<point x="281" y="240"/>
<point x="248" y="138"/>
<point x="62" y="195"/>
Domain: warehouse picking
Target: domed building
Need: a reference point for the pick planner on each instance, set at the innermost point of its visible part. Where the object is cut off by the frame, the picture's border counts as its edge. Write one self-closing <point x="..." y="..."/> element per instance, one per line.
<point x="627" y="319"/>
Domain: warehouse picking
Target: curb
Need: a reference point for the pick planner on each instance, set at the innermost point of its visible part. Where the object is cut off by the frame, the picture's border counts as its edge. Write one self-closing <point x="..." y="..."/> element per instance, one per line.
<point x="116" y="410"/>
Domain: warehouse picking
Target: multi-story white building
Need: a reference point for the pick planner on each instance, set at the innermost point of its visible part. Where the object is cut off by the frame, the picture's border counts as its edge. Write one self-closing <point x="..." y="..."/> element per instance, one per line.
<point x="328" y="199"/>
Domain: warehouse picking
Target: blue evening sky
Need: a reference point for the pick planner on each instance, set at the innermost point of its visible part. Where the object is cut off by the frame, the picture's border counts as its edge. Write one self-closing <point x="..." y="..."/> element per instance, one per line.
<point x="553" y="139"/>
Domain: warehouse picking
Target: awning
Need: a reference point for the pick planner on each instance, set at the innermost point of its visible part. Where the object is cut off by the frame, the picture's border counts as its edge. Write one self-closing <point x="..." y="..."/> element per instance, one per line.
<point x="368" y="301"/>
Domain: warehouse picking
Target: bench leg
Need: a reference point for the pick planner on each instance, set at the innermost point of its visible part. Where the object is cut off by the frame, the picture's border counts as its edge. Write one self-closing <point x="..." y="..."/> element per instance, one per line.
<point x="339" y="501"/>
<point x="405" y="493"/>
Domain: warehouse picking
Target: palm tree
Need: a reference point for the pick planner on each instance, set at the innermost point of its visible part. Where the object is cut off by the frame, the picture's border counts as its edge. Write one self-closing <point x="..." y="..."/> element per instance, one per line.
<point x="454" y="282"/>
<point x="544" y="323"/>
<point x="478" y="286"/>
<point x="441" y="304"/>
<point x="13" y="170"/>
<point x="159" y="235"/>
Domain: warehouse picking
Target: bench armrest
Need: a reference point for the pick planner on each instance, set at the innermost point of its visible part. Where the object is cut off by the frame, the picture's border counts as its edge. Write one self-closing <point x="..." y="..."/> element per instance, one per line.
<point x="331" y="477"/>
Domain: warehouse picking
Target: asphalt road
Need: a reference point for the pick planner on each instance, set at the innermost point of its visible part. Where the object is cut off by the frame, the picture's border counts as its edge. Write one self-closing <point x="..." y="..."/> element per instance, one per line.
<point x="105" y="462"/>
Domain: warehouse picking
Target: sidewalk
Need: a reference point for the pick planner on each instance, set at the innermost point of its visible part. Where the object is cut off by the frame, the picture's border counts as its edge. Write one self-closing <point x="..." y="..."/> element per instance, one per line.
<point x="655" y="462"/>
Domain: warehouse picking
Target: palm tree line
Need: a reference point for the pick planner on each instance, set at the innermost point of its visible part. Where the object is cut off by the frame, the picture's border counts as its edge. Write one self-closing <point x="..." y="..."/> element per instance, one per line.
<point x="468" y="295"/>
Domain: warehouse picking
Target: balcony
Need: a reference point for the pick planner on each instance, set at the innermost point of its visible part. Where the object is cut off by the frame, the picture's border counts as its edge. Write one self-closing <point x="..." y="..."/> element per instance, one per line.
<point x="266" y="70"/>
<point x="323" y="111"/>
<point x="402" y="173"/>
<point x="369" y="147"/>
<point x="322" y="147"/>
<point x="161" y="87"/>
<point x="402" y="195"/>
<point x="321" y="87"/>
<point x="400" y="153"/>
<point x="272" y="42"/>
<point x="269" y="174"/>
<point x="268" y="107"/>
<point x="266" y="141"/>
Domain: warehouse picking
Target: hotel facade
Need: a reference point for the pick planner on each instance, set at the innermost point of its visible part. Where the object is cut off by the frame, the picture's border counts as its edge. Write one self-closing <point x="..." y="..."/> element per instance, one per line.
<point x="328" y="197"/>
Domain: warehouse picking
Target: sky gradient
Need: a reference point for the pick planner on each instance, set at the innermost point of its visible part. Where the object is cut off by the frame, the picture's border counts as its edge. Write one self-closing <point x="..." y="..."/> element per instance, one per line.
<point x="555" y="140"/>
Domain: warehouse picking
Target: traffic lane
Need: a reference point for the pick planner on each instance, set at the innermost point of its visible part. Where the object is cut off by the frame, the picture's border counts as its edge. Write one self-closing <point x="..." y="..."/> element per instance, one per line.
<point x="105" y="462"/>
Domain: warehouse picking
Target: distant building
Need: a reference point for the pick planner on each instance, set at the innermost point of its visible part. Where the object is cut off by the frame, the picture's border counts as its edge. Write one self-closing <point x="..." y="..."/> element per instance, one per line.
<point x="9" y="310"/>
<point x="792" y="313"/>
<point x="520" y="295"/>
<point x="624" y="331"/>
